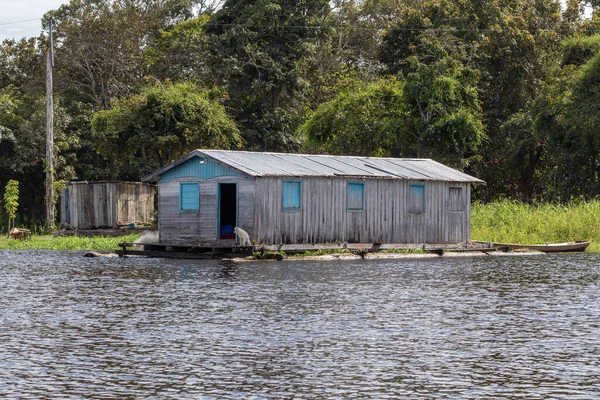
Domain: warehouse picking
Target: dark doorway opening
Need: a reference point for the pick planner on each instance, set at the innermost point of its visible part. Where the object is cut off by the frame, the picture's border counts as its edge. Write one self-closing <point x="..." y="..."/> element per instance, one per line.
<point x="67" y="216"/>
<point x="227" y="210"/>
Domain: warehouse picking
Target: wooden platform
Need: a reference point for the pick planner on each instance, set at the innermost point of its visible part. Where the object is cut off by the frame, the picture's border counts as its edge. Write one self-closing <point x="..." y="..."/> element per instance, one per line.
<point x="180" y="251"/>
<point x="374" y="247"/>
<point x="215" y="252"/>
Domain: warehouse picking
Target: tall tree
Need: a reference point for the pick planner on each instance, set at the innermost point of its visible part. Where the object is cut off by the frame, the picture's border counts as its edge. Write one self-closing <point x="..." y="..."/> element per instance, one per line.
<point x="101" y="43"/>
<point x="514" y="47"/>
<point x="258" y="49"/>
<point x="518" y="52"/>
<point x="444" y="111"/>
<point x="22" y="65"/>
<point x="364" y="120"/>
<point x="181" y="52"/>
<point x="570" y="120"/>
<point x="434" y="113"/>
<point x="144" y="132"/>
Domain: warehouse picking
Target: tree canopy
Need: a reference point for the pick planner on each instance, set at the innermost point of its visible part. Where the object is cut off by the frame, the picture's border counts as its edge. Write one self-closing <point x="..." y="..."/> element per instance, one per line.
<point x="161" y="124"/>
<point x="503" y="89"/>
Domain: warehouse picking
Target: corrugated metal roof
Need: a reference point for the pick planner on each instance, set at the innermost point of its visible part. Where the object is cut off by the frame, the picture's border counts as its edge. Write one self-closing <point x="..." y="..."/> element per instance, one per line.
<point x="309" y="165"/>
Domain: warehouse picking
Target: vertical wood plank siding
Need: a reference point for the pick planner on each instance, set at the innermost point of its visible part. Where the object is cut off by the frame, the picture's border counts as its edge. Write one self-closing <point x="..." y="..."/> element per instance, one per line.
<point x="200" y="227"/>
<point x="108" y="204"/>
<point x="324" y="218"/>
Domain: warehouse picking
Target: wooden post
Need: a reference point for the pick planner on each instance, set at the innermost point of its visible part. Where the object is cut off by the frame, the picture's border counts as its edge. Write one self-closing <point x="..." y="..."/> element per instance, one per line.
<point x="49" y="139"/>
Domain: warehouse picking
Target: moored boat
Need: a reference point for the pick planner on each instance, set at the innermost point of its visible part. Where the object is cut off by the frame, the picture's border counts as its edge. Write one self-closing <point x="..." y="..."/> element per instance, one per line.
<point x="548" y="247"/>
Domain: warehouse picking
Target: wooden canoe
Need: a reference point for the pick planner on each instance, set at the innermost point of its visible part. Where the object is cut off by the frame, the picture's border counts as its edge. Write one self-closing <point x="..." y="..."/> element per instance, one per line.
<point x="548" y="247"/>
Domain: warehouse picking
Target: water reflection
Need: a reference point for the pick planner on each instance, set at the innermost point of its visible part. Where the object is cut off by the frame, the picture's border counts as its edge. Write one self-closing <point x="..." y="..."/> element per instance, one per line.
<point x="75" y="327"/>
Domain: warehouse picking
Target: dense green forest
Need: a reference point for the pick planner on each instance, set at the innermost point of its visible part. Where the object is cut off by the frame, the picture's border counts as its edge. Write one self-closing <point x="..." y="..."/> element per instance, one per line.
<point x="505" y="90"/>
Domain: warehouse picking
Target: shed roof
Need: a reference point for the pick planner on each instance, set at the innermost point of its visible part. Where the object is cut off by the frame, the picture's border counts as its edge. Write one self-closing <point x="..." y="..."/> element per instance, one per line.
<point x="255" y="164"/>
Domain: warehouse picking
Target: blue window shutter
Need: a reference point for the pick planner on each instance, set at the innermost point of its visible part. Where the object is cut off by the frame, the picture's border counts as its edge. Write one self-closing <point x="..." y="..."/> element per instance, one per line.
<point x="189" y="196"/>
<point x="416" y="199"/>
<point x="291" y="195"/>
<point x="356" y="196"/>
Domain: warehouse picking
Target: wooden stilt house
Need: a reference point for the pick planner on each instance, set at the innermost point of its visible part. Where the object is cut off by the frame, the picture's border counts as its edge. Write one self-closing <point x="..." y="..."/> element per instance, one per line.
<point x="303" y="199"/>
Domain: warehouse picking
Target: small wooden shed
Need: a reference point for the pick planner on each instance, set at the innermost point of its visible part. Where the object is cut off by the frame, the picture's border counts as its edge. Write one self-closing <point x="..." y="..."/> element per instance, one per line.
<point x="98" y="205"/>
<point x="306" y="199"/>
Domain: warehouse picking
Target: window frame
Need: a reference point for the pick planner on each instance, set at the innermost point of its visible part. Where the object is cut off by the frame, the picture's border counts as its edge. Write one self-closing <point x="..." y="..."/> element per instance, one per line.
<point x="421" y="209"/>
<point x="357" y="184"/>
<point x="189" y="184"/>
<point x="451" y="203"/>
<point x="283" y="196"/>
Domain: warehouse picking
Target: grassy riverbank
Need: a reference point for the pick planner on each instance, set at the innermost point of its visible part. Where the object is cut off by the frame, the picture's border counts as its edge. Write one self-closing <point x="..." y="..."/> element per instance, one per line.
<point x="49" y="242"/>
<point x="515" y="222"/>
<point x="503" y="221"/>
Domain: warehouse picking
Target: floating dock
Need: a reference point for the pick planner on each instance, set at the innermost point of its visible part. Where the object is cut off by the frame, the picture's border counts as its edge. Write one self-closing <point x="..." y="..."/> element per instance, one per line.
<point x="217" y="252"/>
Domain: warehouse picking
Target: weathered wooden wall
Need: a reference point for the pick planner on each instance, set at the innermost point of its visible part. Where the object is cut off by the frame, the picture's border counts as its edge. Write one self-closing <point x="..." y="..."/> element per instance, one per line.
<point x="200" y="227"/>
<point x="106" y="204"/>
<point x="324" y="218"/>
<point x="135" y="202"/>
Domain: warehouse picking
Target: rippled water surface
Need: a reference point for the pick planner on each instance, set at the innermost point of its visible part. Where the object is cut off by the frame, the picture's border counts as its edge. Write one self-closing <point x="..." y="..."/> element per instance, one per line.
<point x="110" y="328"/>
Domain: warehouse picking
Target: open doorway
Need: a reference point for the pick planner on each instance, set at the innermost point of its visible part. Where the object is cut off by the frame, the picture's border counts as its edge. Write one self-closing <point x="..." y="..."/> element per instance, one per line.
<point x="227" y="210"/>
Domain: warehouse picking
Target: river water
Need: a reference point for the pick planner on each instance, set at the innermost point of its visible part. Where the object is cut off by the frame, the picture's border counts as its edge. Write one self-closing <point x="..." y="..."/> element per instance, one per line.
<point x="460" y="328"/>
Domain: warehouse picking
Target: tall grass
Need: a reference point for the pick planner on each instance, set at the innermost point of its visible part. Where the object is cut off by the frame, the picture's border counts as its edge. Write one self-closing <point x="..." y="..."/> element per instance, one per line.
<point x="66" y="243"/>
<point x="514" y="222"/>
<point x="502" y="221"/>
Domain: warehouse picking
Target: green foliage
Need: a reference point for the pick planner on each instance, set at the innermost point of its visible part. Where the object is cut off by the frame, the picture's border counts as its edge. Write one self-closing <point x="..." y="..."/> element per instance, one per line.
<point x="515" y="222"/>
<point x="517" y="54"/>
<point x="8" y="118"/>
<point x="161" y="124"/>
<point x="67" y="243"/>
<point x="584" y="121"/>
<point x="404" y="40"/>
<point x="434" y="113"/>
<point x="11" y="201"/>
<point x="269" y="255"/>
<point x="505" y="89"/>
<point x="258" y="49"/>
<point x="102" y="43"/>
<point x="23" y="126"/>
<point x="22" y="65"/>
<point x="11" y="198"/>
<point x="445" y="120"/>
<point x="359" y="121"/>
<point x="320" y="252"/>
<point x="579" y="49"/>
<point x="527" y="157"/>
<point x="567" y="117"/>
<point x="180" y="52"/>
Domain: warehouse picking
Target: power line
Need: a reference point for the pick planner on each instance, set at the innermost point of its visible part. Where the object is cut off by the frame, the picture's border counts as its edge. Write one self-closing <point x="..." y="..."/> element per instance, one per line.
<point x="19" y="22"/>
<point x="448" y="29"/>
<point x="322" y="26"/>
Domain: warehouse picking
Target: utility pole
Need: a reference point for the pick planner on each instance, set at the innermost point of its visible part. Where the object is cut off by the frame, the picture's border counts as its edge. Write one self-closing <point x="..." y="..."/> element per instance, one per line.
<point x="49" y="135"/>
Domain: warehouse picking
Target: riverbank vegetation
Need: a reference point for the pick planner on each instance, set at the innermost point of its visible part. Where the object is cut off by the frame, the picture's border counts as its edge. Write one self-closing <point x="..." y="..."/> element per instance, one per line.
<point x="516" y="222"/>
<point x="49" y="242"/>
<point x="502" y="221"/>
<point x="505" y="90"/>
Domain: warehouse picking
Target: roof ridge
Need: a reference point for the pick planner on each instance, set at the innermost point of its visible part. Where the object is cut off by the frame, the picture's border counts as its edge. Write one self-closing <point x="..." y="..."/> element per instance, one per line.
<point x="315" y="155"/>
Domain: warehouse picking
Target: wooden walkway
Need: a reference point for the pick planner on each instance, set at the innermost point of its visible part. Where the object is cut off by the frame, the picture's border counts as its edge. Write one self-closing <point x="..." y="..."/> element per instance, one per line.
<point x="196" y="252"/>
<point x="180" y="251"/>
